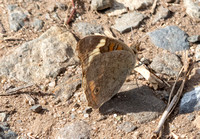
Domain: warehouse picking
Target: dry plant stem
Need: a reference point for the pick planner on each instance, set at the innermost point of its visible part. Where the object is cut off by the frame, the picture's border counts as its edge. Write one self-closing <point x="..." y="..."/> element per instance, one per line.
<point x="2" y="29"/>
<point x="72" y="13"/>
<point x="174" y="85"/>
<point x="175" y="99"/>
<point x="18" y="88"/>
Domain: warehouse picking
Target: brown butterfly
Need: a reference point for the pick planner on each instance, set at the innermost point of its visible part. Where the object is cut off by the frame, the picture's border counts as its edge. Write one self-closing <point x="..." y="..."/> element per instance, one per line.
<point x="105" y="64"/>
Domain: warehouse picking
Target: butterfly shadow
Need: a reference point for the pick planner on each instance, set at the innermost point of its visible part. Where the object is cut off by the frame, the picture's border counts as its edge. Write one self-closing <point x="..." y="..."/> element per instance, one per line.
<point x="134" y="100"/>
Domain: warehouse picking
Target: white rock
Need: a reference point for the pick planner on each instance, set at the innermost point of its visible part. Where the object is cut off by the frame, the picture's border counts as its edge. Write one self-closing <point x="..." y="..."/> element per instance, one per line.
<point x="197" y="53"/>
<point x="192" y="9"/>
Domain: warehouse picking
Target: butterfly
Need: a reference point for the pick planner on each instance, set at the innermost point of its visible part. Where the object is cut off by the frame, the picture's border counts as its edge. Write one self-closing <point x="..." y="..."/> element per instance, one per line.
<point x="106" y="62"/>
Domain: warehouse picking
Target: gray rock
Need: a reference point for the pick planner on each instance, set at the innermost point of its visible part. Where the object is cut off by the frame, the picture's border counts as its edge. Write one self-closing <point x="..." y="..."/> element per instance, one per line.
<point x="11" y="7"/>
<point x="101" y="4"/>
<point x="88" y="29"/>
<point x="16" y="17"/>
<point x="38" y="24"/>
<point x="117" y="9"/>
<point x="197" y="52"/>
<point x="36" y="108"/>
<point x="6" y="133"/>
<point x="4" y="126"/>
<point x="127" y="127"/>
<point x="170" y="38"/>
<point x="128" y="21"/>
<point x="67" y="86"/>
<point x="190" y="101"/>
<point x="166" y="63"/>
<point x="192" y="9"/>
<point x="44" y="57"/>
<point x="76" y="130"/>
<point x="138" y="103"/>
<point x="194" y="38"/>
<point x="162" y="13"/>
<point x="10" y="135"/>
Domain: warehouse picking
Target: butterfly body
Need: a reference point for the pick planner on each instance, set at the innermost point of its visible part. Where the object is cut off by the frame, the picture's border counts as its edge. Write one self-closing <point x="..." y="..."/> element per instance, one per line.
<point x="105" y="64"/>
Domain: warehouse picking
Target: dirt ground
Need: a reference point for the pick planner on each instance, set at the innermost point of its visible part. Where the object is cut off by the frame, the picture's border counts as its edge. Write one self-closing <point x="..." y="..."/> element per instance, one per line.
<point x="45" y="125"/>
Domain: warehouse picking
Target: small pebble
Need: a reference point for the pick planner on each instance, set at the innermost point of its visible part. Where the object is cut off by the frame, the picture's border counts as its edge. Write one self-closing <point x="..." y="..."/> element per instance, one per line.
<point x="52" y="84"/>
<point x="3" y="117"/>
<point x="36" y="108"/>
<point x="191" y="117"/>
<point x="86" y="115"/>
<point x="87" y="110"/>
<point x="115" y="115"/>
<point x="194" y="38"/>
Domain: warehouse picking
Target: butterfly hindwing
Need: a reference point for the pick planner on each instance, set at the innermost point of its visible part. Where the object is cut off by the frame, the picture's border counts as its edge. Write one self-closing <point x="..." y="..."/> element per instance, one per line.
<point x="104" y="66"/>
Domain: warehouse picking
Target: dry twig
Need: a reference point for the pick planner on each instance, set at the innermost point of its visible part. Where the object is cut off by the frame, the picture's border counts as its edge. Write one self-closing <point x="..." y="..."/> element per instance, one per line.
<point x="72" y="13"/>
<point x="175" y="100"/>
<point x="13" y="90"/>
<point x="2" y="29"/>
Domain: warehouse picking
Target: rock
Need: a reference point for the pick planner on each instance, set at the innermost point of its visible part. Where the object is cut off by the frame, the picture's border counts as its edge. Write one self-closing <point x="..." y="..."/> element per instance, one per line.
<point x="76" y="130"/>
<point x="197" y="52"/>
<point x="190" y="101"/>
<point x="117" y="9"/>
<point x="87" y="29"/>
<point x="51" y="8"/>
<point x="191" y="117"/>
<point x="128" y="21"/>
<point x="162" y="13"/>
<point x="4" y="126"/>
<point x="101" y="4"/>
<point x="138" y="103"/>
<point x="55" y="16"/>
<point x="170" y="38"/>
<point x="16" y="17"/>
<point x="194" y="38"/>
<point x="135" y="4"/>
<point x="10" y="135"/>
<point x="192" y="9"/>
<point x="36" y="108"/>
<point x="52" y="84"/>
<point x="166" y="63"/>
<point x="61" y="6"/>
<point x="67" y="86"/>
<point x="3" y="117"/>
<point x="140" y="4"/>
<point x="197" y="122"/>
<point x="44" y="57"/>
<point x="38" y="24"/>
<point x="127" y="127"/>
<point x="11" y="7"/>
<point x="87" y="110"/>
<point x="6" y="133"/>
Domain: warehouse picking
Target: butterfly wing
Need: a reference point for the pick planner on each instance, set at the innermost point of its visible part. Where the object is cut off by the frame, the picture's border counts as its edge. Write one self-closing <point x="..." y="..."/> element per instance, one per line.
<point x="104" y="72"/>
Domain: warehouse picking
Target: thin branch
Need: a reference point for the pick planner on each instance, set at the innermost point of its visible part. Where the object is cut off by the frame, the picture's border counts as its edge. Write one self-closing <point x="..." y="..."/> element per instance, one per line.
<point x="177" y="77"/>
<point x="176" y="98"/>
<point x="72" y="13"/>
<point x="13" y="90"/>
